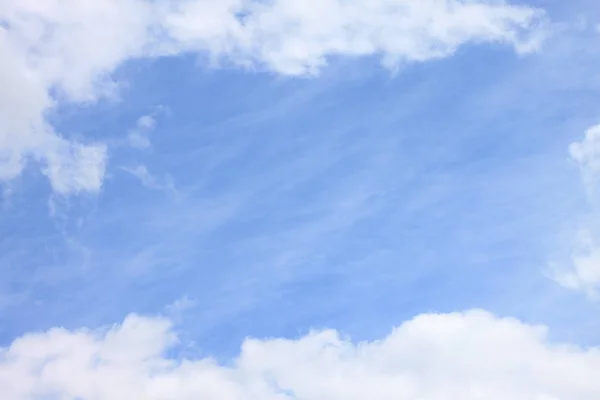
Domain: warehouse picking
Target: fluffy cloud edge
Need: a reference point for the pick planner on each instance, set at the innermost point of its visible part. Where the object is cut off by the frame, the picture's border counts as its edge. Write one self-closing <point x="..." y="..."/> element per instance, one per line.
<point x="470" y="355"/>
<point x="65" y="47"/>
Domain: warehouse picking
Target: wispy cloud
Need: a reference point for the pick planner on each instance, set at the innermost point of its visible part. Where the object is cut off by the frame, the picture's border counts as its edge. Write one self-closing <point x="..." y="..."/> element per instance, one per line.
<point x="150" y="181"/>
<point x="176" y="309"/>
<point x="582" y="272"/>
<point x="586" y="154"/>
<point x="138" y="137"/>
<point x="67" y="52"/>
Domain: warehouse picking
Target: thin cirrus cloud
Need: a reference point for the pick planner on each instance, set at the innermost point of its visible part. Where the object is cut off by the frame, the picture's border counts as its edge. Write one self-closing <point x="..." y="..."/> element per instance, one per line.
<point x="65" y="51"/>
<point x="471" y="355"/>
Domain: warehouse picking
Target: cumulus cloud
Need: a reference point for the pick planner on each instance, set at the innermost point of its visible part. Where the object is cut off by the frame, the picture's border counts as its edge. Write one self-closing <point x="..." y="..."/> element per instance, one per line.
<point x="468" y="356"/>
<point x="66" y="50"/>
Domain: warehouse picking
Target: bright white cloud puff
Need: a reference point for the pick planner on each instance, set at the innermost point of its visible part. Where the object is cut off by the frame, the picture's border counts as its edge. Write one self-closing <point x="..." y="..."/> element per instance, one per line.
<point x="468" y="356"/>
<point x="72" y="47"/>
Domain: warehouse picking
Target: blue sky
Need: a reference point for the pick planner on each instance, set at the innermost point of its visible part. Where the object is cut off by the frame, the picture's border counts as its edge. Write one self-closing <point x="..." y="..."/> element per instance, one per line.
<point x="242" y="198"/>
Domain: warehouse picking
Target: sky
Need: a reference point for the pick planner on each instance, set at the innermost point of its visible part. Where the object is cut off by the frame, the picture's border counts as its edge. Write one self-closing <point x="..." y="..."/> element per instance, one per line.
<point x="299" y="199"/>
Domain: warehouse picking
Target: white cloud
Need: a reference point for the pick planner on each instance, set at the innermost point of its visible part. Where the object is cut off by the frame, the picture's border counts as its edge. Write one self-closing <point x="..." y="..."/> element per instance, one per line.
<point x="70" y="166"/>
<point x="179" y="307"/>
<point x="73" y="167"/>
<point x="468" y="356"/>
<point x="296" y="37"/>
<point x="584" y="273"/>
<point x="138" y="137"/>
<point x="146" y="122"/>
<point x="150" y="181"/>
<point x="182" y="304"/>
<point x="586" y="154"/>
<point x="583" y="270"/>
<point x="66" y="50"/>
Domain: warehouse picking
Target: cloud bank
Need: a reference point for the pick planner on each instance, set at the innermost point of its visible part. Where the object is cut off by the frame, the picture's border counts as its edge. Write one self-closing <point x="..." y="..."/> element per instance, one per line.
<point x="57" y="51"/>
<point x="469" y="356"/>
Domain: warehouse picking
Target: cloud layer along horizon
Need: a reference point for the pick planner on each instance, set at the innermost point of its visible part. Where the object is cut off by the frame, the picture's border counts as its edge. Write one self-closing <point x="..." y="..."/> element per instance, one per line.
<point x="471" y="356"/>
